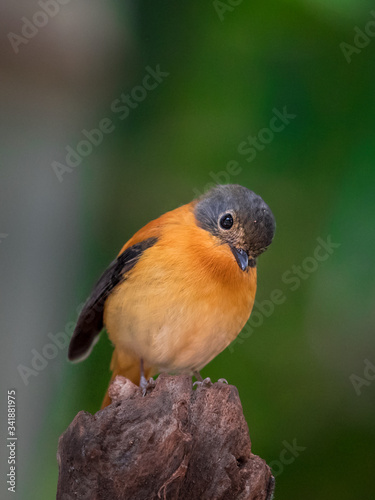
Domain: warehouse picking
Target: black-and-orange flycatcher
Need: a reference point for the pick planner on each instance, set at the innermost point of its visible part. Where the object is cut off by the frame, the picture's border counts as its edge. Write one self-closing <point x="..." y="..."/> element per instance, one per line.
<point x="181" y="289"/>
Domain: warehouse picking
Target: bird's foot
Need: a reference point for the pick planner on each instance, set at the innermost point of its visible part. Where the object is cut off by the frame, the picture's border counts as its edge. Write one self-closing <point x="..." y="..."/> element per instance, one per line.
<point x="203" y="383"/>
<point x="207" y="382"/>
<point x="146" y="385"/>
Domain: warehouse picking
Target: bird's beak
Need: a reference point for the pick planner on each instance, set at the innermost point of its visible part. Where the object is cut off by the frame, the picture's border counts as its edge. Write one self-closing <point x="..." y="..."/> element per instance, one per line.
<point x="241" y="257"/>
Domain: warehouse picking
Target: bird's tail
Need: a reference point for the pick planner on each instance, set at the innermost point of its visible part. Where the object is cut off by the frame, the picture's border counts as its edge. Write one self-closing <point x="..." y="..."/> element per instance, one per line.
<point x="129" y="367"/>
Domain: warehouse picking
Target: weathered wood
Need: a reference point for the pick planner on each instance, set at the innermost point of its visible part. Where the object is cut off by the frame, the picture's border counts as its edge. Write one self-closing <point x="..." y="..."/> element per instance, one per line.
<point x="174" y="443"/>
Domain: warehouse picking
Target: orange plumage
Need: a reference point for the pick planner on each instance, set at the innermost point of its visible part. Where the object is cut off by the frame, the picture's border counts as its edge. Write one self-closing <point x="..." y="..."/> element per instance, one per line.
<point x="187" y="296"/>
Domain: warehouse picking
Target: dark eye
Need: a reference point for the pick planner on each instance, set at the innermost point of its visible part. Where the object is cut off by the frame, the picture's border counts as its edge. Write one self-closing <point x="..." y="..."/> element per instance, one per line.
<point x="226" y="221"/>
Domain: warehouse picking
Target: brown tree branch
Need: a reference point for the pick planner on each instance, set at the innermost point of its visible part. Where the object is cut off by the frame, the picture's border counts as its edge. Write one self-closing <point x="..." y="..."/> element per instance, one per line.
<point x="175" y="443"/>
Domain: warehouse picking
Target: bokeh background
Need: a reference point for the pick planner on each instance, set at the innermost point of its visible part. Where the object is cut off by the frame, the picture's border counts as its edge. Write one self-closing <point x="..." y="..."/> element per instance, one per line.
<point x="229" y="66"/>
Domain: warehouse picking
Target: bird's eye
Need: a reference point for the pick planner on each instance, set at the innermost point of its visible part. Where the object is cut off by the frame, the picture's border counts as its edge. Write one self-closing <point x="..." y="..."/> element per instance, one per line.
<point x="226" y="221"/>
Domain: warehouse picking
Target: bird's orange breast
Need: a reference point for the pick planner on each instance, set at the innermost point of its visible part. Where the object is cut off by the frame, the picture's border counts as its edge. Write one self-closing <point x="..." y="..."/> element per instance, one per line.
<point x="184" y="301"/>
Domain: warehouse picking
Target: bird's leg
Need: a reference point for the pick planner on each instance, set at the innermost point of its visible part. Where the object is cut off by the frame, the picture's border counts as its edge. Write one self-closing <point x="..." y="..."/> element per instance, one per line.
<point x="143" y="381"/>
<point x="198" y="376"/>
<point x="145" y="384"/>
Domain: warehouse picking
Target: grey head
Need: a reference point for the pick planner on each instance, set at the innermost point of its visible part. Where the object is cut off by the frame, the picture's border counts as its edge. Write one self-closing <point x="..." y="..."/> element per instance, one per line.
<point x="239" y="218"/>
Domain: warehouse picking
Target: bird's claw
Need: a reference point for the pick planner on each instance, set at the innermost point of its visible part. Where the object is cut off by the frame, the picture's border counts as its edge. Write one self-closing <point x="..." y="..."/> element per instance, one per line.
<point x="146" y="385"/>
<point x="205" y="382"/>
<point x="223" y="381"/>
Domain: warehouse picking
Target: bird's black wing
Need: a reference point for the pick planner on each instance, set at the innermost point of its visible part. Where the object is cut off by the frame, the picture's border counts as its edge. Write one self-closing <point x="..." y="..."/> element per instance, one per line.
<point x="90" y="321"/>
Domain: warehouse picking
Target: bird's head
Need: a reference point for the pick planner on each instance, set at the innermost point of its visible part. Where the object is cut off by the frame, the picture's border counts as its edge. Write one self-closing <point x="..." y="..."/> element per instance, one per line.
<point x="239" y="218"/>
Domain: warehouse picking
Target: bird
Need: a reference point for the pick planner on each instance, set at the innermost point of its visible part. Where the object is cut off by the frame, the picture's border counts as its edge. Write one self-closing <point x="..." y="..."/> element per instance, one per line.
<point x="181" y="289"/>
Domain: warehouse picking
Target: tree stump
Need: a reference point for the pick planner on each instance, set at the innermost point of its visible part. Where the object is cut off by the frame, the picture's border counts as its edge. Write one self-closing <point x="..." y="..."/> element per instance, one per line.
<point x="175" y="443"/>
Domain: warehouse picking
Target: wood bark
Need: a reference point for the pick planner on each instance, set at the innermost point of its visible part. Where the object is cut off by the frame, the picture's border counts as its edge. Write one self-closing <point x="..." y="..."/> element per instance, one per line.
<point x="175" y="443"/>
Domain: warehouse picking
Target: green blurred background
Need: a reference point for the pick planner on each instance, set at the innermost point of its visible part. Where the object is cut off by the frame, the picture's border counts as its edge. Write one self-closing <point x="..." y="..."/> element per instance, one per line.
<point x="229" y="68"/>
